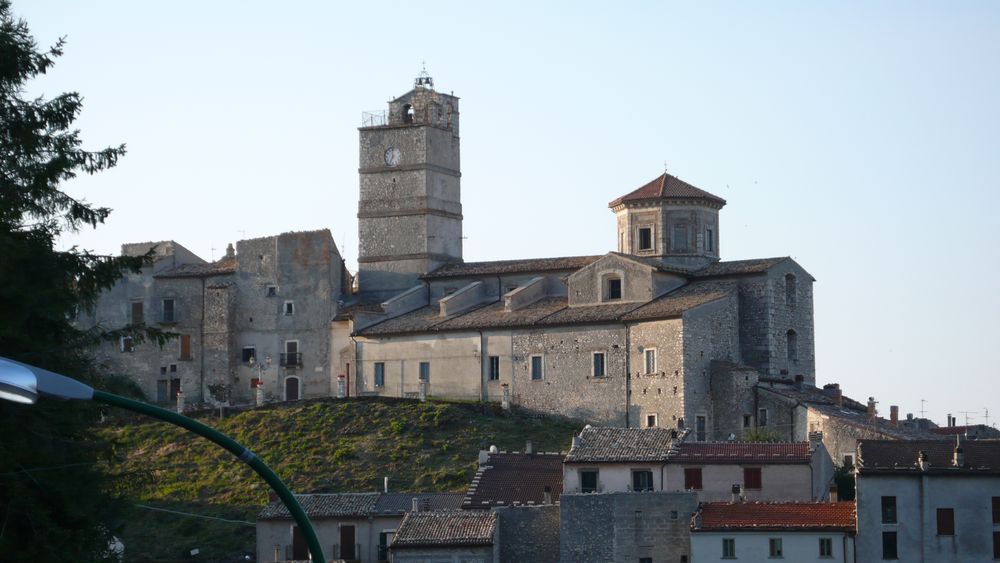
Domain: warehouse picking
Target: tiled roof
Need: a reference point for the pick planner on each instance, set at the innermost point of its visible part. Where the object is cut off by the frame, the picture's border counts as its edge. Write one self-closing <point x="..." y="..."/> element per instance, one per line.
<point x="220" y="267"/>
<point x="446" y="528"/>
<point x="979" y="429"/>
<point x="675" y="303"/>
<point x="666" y="186"/>
<point x="526" y="266"/>
<point x="742" y="452"/>
<point x="622" y="445"/>
<point x="775" y="516"/>
<point x="398" y="503"/>
<point x="981" y="456"/>
<point x="508" y="479"/>
<point x="325" y="506"/>
<point x="739" y="267"/>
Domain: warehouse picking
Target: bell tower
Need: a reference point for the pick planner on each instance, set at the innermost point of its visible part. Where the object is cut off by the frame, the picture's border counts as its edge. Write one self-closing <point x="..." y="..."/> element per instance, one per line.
<point x="410" y="207"/>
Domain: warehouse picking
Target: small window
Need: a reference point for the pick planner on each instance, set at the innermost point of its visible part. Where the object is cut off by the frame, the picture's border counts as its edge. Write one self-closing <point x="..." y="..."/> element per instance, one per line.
<point x="946" y="521"/>
<point x="774" y="548"/>
<point x="494" y="368"/>
<point x="692" y="478"/>
<point x="126" y="344"/>
<point x="642" y="480"/>
<point x="747" y="421"/>
<point x="598" y="364"/>
<point x="536" y="368"/>
<point x="137" y="313"/>
<point x="889" y="550"/>
<point x="379" y="374"/>
<point x="996" y="510"/>
<point x="709" y="240"/>
<point x="680" y="241"/>
<point x="588" y="481"/>
<point x="729" y="548"/>
<point x="790" y="289"/>
<point x="752" y="478"/>
<point x="848" y="460"/>
<point x="996" y="545"/>
<point x="289" y="308"/>
<point x="646" y="238"/>
<point x="888" y="510"/>
<point x="271" y="291"/>
<point x="425" y="371"/>
<point x="173" y="368"/>
<point x="168" y="311"/>
<point x="163" y="370"/>
<point x="185" y="347"/>
<point x="612" y="289"/>
<point x="762" y="417"/>
<point x="651" y="421"/>
<point x="699" y="428"/>
<point x="645" y="560"/>
<point x="249" y="353"/>
<point x="650" y="360"/>
<point x="793" y="345"/>
<point x="826" y="547"/>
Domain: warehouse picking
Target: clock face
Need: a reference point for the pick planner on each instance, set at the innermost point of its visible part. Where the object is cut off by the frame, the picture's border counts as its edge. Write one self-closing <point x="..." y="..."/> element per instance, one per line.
<point x="392" y="155"/>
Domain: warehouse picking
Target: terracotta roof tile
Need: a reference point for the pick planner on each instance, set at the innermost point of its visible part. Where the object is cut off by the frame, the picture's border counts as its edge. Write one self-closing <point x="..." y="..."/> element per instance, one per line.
<point x="399" y="503"/>
<point x="981" y="456"/>
<point x="742" y="452"/>
<point x="600" y="444"/>
<point x="526" y="266"/>
<point x="508" y="479"/>
<point x="666" y="186"/>
<point x="219" y="267"/>
<point x="446" y="528"/>
<point x="324" y="506"/>
<point x="775" y="516"/>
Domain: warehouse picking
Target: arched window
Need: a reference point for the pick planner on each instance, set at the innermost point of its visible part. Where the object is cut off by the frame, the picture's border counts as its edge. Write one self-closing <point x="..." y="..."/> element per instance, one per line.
<point x="407" y="113"/>
<point x="790" y="289"/>
<point x="793" y="345"/>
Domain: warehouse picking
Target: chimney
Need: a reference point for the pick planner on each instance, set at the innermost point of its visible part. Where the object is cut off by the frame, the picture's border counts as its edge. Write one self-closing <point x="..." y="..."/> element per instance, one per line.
<point x="959" y="459"/>
<point x="230" y="251"/>
<point x="527" y="447"/>
<point x="385" y="484"/>
<point x="576" y="442"/>
<point x="547" y="495"/>
<point x="415" y="504"/>
<point x="951" y="421"/>
<point x="871" y="409"/>
<point x="894" y="415"/>
<point x="922" y="462"/>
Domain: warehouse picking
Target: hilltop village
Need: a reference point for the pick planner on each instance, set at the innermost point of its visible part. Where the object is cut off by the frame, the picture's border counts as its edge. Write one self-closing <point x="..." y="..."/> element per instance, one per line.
<point x="707" y="435"/>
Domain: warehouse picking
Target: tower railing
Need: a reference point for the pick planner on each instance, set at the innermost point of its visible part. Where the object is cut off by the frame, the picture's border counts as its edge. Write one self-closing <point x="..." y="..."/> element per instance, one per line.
<point x="374" y="118"/>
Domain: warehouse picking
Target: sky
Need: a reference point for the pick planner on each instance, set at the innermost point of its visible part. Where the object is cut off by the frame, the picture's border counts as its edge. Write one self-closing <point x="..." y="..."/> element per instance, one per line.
<point x="862" y="139"/>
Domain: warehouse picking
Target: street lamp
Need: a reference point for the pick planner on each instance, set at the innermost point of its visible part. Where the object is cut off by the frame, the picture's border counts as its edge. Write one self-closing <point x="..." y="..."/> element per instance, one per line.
<point x="23" y="383"/>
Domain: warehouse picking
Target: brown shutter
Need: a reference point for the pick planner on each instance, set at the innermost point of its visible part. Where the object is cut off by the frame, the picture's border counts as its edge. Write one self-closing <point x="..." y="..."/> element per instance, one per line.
<point x="751" y="478"/>
<point x="692" y="478"/>
<point x="137" y="312"/>
<point x="945" y="522"/>
<point x="185" y="346"/>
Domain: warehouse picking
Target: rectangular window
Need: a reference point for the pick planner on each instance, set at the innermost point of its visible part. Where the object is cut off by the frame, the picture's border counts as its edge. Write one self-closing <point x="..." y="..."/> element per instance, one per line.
<point x="425" y="371"/>
<point x="848" y="460"/>
<point x="692" y="478"/>
<point x="889" y="510"/>
<point x="271" y="291"/>
<point x="494" y="368"/>
<point x="137" y="316"/>
<point x="709" y="240"/>
<point x="642" y="480"/>
<point x="751" y="478"/>
<point x="651" y="421"/>
<point x="774" y="548"/>
<point x="249" y="353"/>
<point x="996" y="545"/>
<point x="826" y="547"/>
<point x="126" y="344"/>
<point x="588" y="481"/>
<point x="379" y="374"/>
<point x="889" y="545"/>
<point x="650" y="360"/>
<point x="996" y="510"/>
<point x="173" y="368"/>
<point x="646" y="238"/>
<point x="747" y="421"/>
<point x="946" y="521"/>
<point x="680" y="238"/>
<point x="613" y="289"/>
<point x="699" y="428"/>
<point x="598" y="364"/>
<point x="168" y="310"/>
<point x="292" y="357"/>
<point x="729" y="548"/>
<point x="289" y="308"/>
<point x="185" y="347"/>
<point x="161" y="388"/>
<point x="536" y="367"/>
<point x="175" y="388"/>
<point x="762" y="417"/>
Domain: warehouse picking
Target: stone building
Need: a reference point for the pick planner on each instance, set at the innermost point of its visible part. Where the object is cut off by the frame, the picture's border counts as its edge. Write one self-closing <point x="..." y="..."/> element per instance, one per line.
<point x="257" y="318"/>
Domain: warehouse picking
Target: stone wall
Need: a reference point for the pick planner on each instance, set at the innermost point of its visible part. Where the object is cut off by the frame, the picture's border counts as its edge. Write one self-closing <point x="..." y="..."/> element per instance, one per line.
<point x="528" y="533"/>
<point x="661" y="392"/>
<point x="602" y="527"/>
<point x="711" y="332"/>
<point x="733" y="393"/>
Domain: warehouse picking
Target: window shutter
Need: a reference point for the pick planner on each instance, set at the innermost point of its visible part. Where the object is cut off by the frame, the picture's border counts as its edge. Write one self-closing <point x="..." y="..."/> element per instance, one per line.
<point x="185" y="346"/>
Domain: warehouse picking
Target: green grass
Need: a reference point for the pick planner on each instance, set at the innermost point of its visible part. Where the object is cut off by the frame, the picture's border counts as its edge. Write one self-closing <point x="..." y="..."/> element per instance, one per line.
<point x="318" y="446"/>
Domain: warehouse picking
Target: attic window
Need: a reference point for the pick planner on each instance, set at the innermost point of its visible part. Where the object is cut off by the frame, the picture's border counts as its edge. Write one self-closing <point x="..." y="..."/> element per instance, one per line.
<point x="612" y="288"/>
<point x="646" y="238"/>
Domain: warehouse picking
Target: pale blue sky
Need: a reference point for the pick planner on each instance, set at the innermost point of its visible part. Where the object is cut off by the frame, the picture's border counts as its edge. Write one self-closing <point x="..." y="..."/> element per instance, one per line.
<point x="862" y="139"/>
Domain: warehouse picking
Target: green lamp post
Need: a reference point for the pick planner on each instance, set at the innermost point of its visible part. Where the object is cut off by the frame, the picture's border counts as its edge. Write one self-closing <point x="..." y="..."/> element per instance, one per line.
<point x="23" y="383"/>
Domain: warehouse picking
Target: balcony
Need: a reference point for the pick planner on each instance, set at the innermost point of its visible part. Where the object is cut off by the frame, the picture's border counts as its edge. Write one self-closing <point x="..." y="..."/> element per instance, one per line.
<point x="291" y="359"/>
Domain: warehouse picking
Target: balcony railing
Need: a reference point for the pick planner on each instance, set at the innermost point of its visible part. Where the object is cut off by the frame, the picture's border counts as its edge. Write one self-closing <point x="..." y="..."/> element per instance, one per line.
<point x="291" y="359"/>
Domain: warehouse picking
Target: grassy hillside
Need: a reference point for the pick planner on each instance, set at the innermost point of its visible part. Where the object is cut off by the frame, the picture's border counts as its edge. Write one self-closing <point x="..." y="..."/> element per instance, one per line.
<point x="315" y="446"/>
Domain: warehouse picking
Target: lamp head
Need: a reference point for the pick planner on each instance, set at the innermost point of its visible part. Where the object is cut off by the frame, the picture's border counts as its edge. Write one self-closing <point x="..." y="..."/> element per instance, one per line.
<point x="17" y="383"/>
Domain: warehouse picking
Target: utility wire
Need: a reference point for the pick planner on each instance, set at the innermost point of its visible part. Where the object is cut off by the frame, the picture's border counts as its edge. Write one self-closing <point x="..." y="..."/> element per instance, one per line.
<point x="196" y="515"/>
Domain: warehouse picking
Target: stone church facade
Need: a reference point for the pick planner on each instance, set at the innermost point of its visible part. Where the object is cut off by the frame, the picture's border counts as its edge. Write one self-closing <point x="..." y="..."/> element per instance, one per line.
<point x="658" y="332"/>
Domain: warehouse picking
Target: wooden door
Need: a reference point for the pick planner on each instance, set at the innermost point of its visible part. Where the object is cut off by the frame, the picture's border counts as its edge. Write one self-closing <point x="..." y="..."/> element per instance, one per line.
<point x="347" y="547"/>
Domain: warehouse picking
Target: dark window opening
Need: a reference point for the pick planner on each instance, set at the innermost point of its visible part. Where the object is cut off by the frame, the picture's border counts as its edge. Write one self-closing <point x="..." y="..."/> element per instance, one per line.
<point x="536" y="367"/>
<point x="494" y="368"/>
<point x="775" y="548"/>
<point x="889" y="510"/>
<point x="588" y="481"/>
<point x="996" y="510"/>
<point x="692" y="478"/>
<point x="642" y="480"/>
<point x="379" y="374"/>
<point x="425" y="371"/>
<point x="598" y="364"/>
<point x="699" y="429"/>
<point x="793" y="345"/>
<point x="946" y="521"/>
<point x="790" y="289"/>
<point x="408" y="113"/>
<point x="249" y="353"/>
<point x="751" y="478"/>
<point x="762" y="417"/>
<point x="826" y="547"/>
<point x="709" y="241"/>
<point x="612" y="289"/>
<point x="651" y="421"/>
<point x="646" y="238"/>
<point x="889" y="550"/>
<point x="168" y="310"/>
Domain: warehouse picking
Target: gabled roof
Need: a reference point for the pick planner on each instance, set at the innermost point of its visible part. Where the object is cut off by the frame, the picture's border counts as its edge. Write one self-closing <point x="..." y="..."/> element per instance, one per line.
<point x="600" y="444"/>
<point x="399" y="503"/>
<point x="742" y="452"/>
<point x="739" y="267"/>
<point x="220" y="267"/>
<point x="898" y="456"/>
<point x="325" y="506"/>
<point x="446" y="528"/>
<point x="666" y="186"/>
<point x="509" y="479"/>
<point x="500" y="267"/>
<point x="775" y="516"/>
<point x="687" y="297"/>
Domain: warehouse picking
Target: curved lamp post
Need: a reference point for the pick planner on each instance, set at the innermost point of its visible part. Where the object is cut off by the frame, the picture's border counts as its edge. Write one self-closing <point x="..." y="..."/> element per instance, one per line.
<point x="22" y="383"/>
